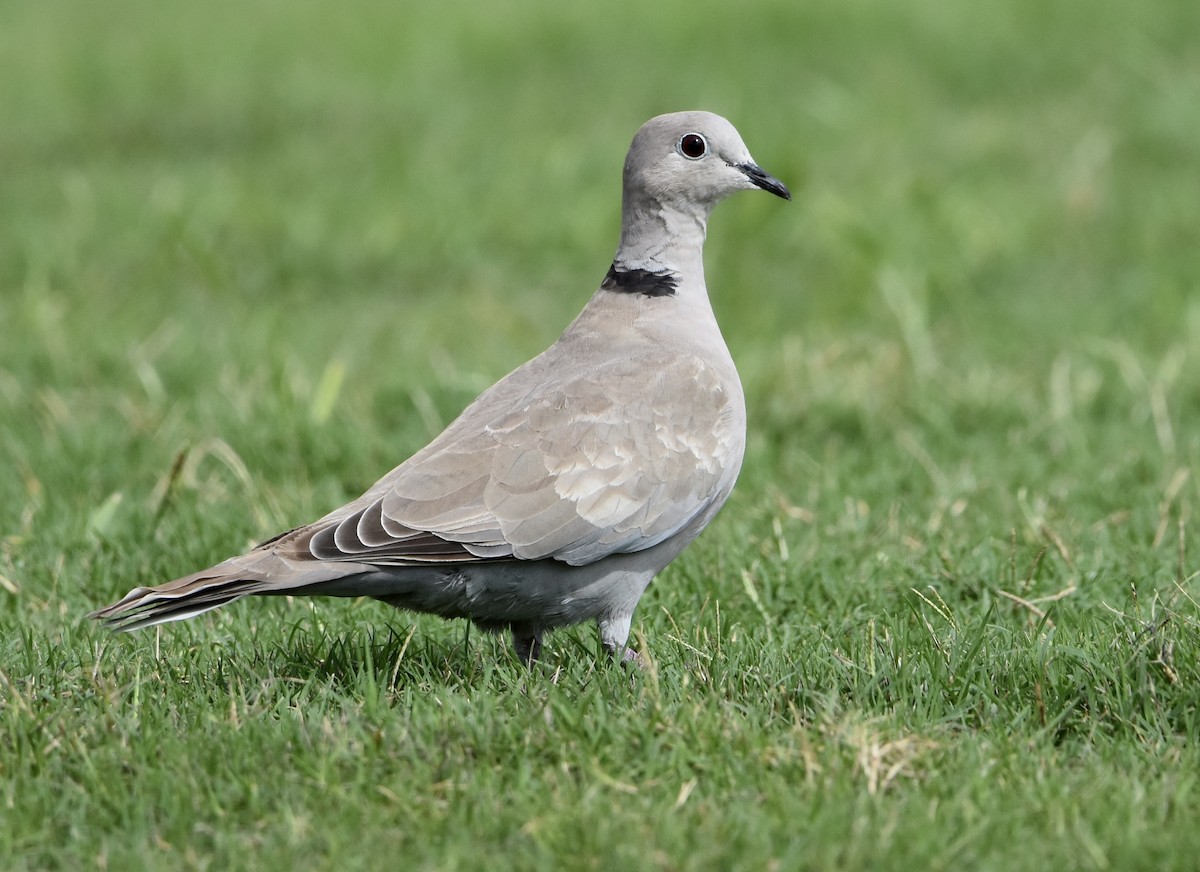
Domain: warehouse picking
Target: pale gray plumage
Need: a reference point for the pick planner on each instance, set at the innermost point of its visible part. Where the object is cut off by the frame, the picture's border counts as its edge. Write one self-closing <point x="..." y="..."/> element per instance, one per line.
<point x="563" y="489"/>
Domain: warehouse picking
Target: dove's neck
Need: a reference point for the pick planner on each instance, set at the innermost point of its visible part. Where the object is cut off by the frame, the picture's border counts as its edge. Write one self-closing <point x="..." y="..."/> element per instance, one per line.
<point x="661" y="251"/>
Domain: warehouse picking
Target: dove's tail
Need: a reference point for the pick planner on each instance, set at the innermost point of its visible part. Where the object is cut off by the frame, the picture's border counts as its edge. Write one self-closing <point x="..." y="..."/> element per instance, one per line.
<point x="260" y="572"/>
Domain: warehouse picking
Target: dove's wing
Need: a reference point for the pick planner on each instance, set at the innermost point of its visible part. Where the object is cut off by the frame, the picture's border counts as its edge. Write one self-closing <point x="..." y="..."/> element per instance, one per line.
<point x="616" y="458"/>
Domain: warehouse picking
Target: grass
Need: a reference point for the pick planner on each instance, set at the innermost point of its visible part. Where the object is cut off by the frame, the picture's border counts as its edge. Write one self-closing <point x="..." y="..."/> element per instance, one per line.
<point x="254" y="255"/>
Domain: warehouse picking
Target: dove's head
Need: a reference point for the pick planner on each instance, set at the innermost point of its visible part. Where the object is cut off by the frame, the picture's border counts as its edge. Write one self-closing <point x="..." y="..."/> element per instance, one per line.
<point x="691" y="160"/>
<point x="680" y="166"/>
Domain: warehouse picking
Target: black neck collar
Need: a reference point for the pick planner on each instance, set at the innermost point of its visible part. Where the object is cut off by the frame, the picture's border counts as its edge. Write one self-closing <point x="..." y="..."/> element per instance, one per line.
<point x="640" y="281"/>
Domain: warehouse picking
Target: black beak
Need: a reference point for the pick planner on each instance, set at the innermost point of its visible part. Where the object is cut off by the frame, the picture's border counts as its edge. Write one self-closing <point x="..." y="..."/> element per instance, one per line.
<point x="760" y="179"/>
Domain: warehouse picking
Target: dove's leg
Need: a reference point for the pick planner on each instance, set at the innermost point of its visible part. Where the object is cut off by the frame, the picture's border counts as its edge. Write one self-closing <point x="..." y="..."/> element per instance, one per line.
<point x="614" y="636"/>
<point x="527" y="642"/>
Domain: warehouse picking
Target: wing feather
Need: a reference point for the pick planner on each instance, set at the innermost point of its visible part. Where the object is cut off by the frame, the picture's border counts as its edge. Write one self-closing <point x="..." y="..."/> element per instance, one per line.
<point x="618" y="459"/>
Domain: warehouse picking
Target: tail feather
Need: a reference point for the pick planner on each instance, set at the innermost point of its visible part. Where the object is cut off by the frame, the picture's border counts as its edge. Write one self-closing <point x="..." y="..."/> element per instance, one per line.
<point x="147" y="614"/>
<point x="262" y="572"/>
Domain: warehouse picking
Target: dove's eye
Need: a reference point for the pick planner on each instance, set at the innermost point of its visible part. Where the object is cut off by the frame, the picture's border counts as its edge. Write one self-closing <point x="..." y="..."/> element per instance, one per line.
<point x="693" y="146"/>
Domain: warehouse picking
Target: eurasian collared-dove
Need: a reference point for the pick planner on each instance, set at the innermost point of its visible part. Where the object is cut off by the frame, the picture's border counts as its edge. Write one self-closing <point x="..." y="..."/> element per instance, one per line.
<point x="559" y="493"/>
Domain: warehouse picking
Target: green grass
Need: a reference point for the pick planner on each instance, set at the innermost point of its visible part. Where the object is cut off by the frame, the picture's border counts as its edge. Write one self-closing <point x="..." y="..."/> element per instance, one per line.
<point x="253" y="255"/>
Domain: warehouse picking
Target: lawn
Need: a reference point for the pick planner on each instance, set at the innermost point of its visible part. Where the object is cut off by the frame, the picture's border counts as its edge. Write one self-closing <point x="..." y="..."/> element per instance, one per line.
<point x="254" y="254"/>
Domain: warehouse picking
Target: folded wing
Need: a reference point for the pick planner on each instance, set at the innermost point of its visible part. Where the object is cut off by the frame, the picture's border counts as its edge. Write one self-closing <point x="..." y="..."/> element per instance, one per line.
<point x="617" y="459"/>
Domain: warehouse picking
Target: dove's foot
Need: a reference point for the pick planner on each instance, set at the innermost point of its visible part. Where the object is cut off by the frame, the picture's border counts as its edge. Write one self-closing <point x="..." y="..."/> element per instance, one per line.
<point x="614" y="636"/>
<point x="631" y="659"/>
<point x="527" y="643"/>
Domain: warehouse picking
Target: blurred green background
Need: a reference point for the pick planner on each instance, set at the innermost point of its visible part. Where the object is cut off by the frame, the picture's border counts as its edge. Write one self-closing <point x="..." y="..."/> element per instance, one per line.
<point x="254" y="254"/>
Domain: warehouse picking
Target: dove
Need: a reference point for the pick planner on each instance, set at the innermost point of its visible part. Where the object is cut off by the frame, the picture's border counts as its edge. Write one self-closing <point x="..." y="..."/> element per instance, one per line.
<point x="565" y="488"/>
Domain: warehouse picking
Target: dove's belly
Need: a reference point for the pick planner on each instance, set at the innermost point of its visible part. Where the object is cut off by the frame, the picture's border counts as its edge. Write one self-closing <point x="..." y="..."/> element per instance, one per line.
<point x="546" y="593"/>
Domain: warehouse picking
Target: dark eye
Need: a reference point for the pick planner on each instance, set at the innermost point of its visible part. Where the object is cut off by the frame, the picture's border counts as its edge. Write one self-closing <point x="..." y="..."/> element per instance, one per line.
<point x="693" y="146"/>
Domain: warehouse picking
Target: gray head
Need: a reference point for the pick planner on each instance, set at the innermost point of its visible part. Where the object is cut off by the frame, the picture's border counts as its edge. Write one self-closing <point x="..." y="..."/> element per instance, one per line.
<point x="687" y="160"/>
